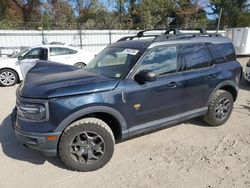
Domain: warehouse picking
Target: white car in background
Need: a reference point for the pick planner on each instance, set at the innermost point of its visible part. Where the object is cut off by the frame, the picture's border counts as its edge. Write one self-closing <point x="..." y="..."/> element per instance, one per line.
<point x="247" y="72"/>
<point x="14" y="68"/>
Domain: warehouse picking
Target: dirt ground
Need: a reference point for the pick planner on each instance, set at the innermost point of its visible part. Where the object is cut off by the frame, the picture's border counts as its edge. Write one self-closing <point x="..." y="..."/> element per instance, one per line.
<point x="187" y="155"/>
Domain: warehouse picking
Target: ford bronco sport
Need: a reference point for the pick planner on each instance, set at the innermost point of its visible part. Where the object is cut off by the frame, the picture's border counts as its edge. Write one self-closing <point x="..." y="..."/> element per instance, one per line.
<point x="135" y="85"/>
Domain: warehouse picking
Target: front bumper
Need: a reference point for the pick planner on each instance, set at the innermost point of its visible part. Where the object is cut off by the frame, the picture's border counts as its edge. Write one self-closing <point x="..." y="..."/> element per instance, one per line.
<point x="247" y="74"/>
<point x="37" y="141"/>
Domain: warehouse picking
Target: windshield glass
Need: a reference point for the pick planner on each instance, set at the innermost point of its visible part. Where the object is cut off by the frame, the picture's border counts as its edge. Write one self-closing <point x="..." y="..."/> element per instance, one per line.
<point x="114" y="62"/>
<point x="16" y="55"/>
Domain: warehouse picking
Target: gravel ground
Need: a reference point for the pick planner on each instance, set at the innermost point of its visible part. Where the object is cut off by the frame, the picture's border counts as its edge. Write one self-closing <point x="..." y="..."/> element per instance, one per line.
<point x="187" y="155"/>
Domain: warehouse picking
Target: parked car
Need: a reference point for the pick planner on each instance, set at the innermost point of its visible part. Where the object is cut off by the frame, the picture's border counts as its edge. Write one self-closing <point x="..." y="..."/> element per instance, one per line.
<point x="131" y="87"/>
<point x="14" y="68"/>
<point x="247" y="72"/>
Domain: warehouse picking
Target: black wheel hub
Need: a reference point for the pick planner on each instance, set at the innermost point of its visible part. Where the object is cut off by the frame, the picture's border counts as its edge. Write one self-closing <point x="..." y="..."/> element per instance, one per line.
<point x="222" y="108"/>
<point x="87" y="147"/>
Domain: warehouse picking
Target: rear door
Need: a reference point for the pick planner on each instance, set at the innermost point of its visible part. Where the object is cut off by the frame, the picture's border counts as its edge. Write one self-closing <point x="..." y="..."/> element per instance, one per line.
<point x="63" y="55"/>
<point x="199" y="75"/>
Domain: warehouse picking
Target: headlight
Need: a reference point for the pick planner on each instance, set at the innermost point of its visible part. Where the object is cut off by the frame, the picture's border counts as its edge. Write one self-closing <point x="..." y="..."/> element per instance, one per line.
<point x="35" y="112"/>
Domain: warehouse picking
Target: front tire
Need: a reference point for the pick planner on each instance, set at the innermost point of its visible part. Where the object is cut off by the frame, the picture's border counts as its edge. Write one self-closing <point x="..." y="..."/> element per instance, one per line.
<point x="8" y="77"/>
<point x="220" y="108"/>
<point x="86" y="145"/>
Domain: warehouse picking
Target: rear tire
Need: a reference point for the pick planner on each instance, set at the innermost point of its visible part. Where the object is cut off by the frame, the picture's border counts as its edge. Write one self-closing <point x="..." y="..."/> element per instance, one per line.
<point x="8" y="77"/>
<point x="86" y="145"/>
<point x="80" y="65"/>
<point x="220" y="108"/>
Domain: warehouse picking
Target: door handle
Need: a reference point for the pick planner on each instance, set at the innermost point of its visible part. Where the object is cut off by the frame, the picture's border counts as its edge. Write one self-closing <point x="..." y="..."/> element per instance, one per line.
<point x="172" y="85"/>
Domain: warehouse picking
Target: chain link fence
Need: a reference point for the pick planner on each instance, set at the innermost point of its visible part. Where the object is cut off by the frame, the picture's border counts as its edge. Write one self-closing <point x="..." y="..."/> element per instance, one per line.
<point x="12" y="41"/>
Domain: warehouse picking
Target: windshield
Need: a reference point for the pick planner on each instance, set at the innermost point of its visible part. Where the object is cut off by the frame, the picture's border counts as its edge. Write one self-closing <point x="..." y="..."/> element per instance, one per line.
<point x="114" y="62"/>
<point x="16" y="55"/>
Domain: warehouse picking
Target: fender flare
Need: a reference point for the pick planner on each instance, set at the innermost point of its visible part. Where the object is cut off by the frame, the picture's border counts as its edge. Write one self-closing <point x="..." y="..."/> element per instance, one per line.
<point x="95" y="109"/>
<point x="222" y="84"/>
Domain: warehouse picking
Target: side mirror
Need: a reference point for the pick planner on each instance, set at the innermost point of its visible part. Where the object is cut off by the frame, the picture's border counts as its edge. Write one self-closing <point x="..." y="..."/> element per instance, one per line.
<point x="145" y="76"/>
<point x="20" y="58"/>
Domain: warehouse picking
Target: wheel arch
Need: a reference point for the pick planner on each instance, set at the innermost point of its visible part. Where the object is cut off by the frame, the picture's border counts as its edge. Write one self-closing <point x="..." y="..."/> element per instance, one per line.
<point x="80" y="62"/>
<point x="112" y="117"/>
<point x="229" y="86"/>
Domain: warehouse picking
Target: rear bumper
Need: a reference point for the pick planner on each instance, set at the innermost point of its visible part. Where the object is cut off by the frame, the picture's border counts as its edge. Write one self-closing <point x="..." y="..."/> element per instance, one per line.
<point x="37" y="141"/>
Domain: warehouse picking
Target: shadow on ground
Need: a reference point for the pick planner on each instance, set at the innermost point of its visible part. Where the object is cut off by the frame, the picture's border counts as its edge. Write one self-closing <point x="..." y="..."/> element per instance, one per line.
<point x="247" y="105"/>
<point x="198" y="121"/>
<point x="14" y="149"/>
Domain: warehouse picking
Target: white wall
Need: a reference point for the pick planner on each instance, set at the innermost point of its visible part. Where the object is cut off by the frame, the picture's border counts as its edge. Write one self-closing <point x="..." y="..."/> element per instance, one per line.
<point x="92" y="40"/>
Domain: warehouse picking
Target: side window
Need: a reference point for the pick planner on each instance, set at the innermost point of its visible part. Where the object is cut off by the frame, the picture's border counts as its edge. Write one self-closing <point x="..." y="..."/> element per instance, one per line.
<point x="216" y="54"/>
<point x="161" y="60"/>
<point x="196" y="56"/>
<point x="54" y="51"/>
<point x="33" y="54"/>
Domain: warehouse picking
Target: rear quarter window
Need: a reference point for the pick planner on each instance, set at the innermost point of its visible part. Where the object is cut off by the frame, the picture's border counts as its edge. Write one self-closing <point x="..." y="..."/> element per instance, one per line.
<point x="226" y="50"/>
<point x="216" y="54"/>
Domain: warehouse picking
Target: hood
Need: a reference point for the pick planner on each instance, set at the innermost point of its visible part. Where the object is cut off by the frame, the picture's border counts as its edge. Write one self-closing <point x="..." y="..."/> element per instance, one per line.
<point x="48" y="80"/>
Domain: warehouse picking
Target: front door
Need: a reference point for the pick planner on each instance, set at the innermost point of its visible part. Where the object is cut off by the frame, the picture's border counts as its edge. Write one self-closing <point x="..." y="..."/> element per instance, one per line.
<point x="29" y="59"/>
<point x="161" y="98"/>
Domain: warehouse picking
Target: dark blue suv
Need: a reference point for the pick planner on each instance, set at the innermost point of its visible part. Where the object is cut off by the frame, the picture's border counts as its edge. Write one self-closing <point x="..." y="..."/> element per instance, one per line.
<point x="131" y="87"/>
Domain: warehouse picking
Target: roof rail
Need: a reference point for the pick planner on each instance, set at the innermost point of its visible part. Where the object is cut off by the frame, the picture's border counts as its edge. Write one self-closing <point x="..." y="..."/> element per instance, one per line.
<point x="132" y="37"/>
<point x="56" y="43"/>
<point x="184" y="35"/>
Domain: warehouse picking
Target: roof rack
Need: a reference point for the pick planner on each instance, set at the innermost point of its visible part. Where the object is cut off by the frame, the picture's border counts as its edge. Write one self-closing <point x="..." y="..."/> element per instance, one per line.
<point x="140" y="34"/>
<point x="167" y="34"/>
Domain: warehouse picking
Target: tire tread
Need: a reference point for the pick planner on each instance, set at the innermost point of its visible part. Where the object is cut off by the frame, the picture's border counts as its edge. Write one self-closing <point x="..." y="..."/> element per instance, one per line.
<point x="77" y="123"/>
<point x="208" y="117"/>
